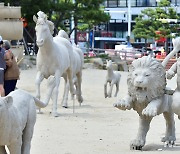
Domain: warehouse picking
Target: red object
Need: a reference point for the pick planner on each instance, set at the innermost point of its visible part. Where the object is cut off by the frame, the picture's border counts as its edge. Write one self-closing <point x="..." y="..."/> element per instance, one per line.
<point x="106" y="34"/>
<point x="25" y="23"/>
<point x="161" y="39"/>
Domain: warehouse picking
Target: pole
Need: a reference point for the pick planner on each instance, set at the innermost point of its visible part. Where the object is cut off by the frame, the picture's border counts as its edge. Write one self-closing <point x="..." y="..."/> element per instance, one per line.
<point x="72" y="26"/>
<point x="129" y="21"/>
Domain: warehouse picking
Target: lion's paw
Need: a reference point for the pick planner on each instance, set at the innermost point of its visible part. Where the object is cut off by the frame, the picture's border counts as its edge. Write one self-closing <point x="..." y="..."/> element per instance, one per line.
<point x="168" y="141"/>
<point x="137" y="144"/>
<point x="150" y="111"/>
<point x="122" y="105"/>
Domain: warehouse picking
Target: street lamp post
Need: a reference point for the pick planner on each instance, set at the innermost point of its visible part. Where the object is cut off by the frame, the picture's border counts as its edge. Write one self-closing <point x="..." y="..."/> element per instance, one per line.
<point x="129" y="21"/>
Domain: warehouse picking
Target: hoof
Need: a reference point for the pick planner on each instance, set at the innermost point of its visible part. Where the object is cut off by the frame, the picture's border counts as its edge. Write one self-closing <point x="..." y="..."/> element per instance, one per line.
<point x="39" y="111"/>
<point x="55" y="114"/>
<point x="64" y="106"/>
<point x="80" y="100"/>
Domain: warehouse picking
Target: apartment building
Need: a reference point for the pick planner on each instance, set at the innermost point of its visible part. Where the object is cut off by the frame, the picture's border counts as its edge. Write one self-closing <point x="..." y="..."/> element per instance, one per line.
<point x="120" y="26"/>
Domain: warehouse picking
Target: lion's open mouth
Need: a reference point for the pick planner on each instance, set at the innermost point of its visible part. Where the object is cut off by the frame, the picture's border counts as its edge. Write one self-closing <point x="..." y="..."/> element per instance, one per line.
<point x="141" y="89"/>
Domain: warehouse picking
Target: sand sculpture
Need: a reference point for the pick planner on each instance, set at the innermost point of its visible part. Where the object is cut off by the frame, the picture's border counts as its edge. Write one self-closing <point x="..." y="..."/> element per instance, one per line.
<point x="55" y="57"/>
<point x="78" y="61"/>
<point x="146" y="95"/>
<point x="113" y="78"/>
<point x="17" y="120"/>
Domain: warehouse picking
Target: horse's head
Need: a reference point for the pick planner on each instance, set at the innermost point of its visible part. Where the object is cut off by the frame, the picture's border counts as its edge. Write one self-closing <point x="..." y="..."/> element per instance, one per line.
<point x="108" y="64"/>
<point x="44" y="28"/>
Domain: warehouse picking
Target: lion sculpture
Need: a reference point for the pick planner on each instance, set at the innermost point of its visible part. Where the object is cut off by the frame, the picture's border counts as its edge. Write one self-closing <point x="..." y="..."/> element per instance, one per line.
<point x="17" y="120"/>
<point x="146" y="95"/>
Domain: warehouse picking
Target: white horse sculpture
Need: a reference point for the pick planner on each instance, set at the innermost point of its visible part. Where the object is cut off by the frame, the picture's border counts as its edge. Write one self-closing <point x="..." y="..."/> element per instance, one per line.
<point x="55" y="57"/>
<point x="78" y="61"/>
<point x="111" y="78"/>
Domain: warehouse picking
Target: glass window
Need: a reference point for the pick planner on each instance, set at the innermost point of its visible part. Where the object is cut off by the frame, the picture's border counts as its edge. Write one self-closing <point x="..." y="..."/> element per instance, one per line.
<point x="133" y="2"/>
<point x="123" y="3"/>
<point x="153" y="3"/>
<point x="112" y="3"/>
<point x="175" y="2"/>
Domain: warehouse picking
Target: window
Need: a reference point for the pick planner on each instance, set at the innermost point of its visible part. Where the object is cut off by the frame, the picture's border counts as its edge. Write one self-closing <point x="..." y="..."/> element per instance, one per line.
<point x="112" y="3"/>
<point x="175" y="2"/>
<point x="123" y="3"/>
<point x="135" y="3"/>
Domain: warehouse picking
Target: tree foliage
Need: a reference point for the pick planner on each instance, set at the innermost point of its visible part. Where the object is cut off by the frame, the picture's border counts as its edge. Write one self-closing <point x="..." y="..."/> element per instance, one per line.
<point x="30" y="7"/>
<point x="147" y="23"/>
<point x="86" y="13"/>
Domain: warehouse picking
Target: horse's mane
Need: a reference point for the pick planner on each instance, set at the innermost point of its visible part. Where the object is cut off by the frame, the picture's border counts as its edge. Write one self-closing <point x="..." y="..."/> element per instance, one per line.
<point x="62" y="33"/>
<point x="42" y="15"/>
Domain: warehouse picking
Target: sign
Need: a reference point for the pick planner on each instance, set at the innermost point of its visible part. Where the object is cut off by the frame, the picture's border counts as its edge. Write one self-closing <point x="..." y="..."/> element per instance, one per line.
<point x="81" y="36"/>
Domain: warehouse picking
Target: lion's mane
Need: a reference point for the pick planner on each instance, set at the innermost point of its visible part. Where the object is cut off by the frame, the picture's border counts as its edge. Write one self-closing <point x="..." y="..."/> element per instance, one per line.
<point x="156" y="88"/>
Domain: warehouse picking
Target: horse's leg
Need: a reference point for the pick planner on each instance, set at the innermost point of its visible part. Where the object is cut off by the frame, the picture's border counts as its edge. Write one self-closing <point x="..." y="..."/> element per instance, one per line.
<point x="50" y="86"/>
<point x="111" y="88"/>
<point x="70" y="78"/>
<point x="39" y="79"/>
<point x="55" y="92"/>
<point x="117" y="89"/>
<point x="78" y="87"/>
<point x="105" y="90"/>
<point x="170" y="128"/>
<point x="66" y="91"/>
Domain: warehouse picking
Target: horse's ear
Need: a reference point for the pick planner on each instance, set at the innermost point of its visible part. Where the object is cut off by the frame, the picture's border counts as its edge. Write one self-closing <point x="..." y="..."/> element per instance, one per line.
<point x="35" y="18"/>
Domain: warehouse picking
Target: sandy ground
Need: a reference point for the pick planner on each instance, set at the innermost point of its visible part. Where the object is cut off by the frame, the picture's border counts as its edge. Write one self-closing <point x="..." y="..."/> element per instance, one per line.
<point x="96" y="127"/>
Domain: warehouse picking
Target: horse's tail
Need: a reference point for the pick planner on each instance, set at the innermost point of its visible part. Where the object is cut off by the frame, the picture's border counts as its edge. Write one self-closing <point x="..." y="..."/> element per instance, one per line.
<point x="39" y="103"/>
<point x="80" y="53"/>
<point x="176" y="45"/>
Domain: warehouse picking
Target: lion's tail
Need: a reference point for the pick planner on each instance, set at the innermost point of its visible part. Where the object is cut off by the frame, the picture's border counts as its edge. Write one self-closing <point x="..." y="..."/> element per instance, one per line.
<point x="39" y="103"/>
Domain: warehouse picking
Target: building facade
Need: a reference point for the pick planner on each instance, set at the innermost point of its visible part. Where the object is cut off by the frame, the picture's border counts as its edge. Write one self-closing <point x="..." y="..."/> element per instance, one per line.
<point x="120" y="26"/>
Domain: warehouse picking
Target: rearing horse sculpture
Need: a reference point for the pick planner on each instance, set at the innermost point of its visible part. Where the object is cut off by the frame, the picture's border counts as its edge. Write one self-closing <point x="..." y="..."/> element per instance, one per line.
<point x="54" y="58"/>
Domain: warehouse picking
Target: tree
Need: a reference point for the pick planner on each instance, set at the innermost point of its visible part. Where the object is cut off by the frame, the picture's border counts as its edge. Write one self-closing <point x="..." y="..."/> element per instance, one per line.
<point x="86" y="13"/>
<point x="30" y="7"/>
<point x="148" y="22"/>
